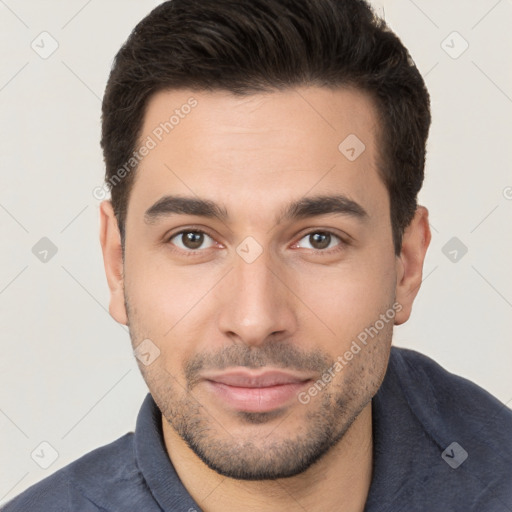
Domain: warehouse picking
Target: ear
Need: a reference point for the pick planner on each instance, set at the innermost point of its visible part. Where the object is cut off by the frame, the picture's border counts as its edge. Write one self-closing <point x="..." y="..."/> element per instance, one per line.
<point x="110" y="240"/>
<point x="409" y="265"/>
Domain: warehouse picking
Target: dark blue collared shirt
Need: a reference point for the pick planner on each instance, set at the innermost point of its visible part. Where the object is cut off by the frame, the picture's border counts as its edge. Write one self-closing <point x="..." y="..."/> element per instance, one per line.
<point x="440" y="444"/>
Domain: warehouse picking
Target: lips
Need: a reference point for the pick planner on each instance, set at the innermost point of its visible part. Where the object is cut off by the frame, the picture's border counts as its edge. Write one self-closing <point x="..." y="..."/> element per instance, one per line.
<point x="246" y="379"/>
<point x="255" y="391"/>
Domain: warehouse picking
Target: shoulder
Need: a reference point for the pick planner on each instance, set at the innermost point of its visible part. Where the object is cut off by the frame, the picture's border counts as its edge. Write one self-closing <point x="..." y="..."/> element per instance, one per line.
<point x="449" y="397"/>
<point x="96" y="473"/>
<point x="423" y="378"/>
<point x="468" y="425"/>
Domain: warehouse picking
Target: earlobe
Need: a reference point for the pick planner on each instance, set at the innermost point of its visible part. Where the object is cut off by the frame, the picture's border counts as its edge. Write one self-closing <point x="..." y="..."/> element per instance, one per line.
<point x="110" y="241"/>
<point x="409" y="265"/>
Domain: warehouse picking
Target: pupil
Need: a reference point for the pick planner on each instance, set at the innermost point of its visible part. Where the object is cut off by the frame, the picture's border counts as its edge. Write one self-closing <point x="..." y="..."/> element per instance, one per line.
<point x="317" y="239"/>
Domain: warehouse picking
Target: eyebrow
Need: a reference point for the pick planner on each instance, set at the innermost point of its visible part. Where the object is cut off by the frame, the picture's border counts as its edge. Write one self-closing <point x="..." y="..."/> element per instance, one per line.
<point x="305" y="207"/>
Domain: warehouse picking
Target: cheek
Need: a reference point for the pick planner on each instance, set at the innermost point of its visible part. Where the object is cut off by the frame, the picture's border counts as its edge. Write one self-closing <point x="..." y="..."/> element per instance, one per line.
<point x="163" y="294"/>
<point x="343" y="301"/>
<point x="162" y="305"/>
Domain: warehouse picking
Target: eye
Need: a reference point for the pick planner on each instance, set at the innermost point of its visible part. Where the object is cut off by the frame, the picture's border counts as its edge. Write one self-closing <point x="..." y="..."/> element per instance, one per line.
<point x="190" y="239"/>
<point x="321" y="240"/>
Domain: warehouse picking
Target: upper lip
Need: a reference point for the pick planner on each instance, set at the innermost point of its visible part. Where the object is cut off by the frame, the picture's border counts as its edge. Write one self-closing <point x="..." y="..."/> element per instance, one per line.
<point x="256" y="379"/>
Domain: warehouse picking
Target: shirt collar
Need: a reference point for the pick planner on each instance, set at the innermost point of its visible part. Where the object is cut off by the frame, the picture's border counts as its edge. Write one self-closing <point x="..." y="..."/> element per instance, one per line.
<point x="398" y="436"/>
<point x="154" y="462"/>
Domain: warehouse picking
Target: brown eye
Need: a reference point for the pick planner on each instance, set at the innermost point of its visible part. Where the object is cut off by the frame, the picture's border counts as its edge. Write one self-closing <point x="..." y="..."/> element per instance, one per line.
<point x="321" y="240"/>
<point x="191" y="240"/>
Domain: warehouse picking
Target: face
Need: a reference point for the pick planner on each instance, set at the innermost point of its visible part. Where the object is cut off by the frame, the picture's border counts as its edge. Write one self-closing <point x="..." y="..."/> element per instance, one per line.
<point x="259" y="273"/>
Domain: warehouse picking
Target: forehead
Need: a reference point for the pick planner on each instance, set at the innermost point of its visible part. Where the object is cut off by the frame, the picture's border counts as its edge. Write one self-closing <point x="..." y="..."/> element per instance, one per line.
<point x="260" y="149"/>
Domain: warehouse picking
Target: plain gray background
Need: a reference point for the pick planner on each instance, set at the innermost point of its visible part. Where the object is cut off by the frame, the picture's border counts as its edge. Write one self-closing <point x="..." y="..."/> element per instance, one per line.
<point x="69" y="378"/>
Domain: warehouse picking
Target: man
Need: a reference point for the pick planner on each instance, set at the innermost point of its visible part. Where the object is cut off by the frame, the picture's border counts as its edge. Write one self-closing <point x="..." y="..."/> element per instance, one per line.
<point x="262" y="240"/>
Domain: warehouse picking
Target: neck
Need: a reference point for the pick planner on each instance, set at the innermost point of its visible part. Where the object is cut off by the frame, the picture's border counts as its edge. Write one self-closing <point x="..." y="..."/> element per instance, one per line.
<point x="339" y="481"/>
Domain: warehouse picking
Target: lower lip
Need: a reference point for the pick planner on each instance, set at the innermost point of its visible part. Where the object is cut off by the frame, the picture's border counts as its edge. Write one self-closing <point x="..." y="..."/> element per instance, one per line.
<point x="256" y="399"/>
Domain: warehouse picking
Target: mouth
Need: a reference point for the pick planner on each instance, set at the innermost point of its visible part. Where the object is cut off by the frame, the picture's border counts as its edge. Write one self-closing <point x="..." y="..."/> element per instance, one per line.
<point x="256" y="391"/>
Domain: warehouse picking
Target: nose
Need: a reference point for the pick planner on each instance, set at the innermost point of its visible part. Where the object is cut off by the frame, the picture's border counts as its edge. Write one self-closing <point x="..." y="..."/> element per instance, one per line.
<point x="256" y="302"/>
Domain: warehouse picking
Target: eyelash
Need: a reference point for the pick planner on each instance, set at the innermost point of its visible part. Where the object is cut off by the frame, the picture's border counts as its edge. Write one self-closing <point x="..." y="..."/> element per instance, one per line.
<point x="342" y="245"/>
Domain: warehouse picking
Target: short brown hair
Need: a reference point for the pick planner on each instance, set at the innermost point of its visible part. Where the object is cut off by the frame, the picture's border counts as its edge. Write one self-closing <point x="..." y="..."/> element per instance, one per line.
<point x="250" y="46"/>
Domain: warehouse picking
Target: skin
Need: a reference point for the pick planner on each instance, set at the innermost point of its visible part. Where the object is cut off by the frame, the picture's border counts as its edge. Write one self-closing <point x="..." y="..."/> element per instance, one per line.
<point x="295" y="303"/>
